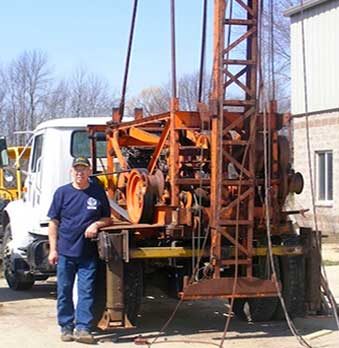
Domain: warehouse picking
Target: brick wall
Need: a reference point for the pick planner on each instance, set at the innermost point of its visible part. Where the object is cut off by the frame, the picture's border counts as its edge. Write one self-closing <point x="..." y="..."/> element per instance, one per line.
<point x="324" y="135"/>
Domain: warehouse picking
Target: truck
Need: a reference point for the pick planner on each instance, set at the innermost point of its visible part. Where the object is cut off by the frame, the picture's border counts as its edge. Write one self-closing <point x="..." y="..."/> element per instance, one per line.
<point x="24" y="219"/>
<point x="197" y="198"/>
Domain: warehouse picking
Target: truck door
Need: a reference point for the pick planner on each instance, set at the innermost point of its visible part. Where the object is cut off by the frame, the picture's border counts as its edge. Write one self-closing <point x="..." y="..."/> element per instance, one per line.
<point x="34" y="178"/>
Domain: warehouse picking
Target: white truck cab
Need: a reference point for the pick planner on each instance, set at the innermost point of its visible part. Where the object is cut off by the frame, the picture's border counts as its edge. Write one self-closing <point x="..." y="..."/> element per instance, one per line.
<point x="25" y="244"/>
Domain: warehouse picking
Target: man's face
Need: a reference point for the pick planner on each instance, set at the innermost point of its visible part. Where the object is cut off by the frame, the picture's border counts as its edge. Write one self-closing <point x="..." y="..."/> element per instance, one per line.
<point x="80" y="174"/>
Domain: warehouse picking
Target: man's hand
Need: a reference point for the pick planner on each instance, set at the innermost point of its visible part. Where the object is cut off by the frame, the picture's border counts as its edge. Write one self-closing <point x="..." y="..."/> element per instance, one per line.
<point x="53" y="257"/>
<point x="91" y="230"/>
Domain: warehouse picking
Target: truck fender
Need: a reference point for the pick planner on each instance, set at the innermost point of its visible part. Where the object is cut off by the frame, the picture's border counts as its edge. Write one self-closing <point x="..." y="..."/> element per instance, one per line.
<point x="20" y="219"/>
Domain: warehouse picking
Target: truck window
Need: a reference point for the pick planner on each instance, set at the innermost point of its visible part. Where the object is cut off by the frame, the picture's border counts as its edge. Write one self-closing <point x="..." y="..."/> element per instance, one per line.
<point x="37" y="151"/>
<point x="80" y="145"/>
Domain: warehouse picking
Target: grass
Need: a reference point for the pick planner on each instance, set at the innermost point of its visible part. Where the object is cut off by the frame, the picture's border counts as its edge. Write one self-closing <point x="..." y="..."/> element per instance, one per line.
<point x="330" y="263"/>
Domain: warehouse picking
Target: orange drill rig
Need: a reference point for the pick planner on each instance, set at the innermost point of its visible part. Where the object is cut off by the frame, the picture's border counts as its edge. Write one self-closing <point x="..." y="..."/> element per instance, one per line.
<point x="193" y="195"/>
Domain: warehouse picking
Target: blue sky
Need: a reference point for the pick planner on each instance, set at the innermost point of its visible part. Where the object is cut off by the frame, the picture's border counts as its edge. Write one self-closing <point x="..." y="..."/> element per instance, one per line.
<point x="94" y="34"/>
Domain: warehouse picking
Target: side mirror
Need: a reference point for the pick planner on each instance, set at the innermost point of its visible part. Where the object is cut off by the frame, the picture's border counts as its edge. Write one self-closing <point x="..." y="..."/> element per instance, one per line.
<point x="4" y="161"/>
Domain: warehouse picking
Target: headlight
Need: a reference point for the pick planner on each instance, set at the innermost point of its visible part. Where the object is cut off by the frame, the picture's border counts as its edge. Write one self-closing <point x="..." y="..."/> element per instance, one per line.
<point x="8" y="176"/>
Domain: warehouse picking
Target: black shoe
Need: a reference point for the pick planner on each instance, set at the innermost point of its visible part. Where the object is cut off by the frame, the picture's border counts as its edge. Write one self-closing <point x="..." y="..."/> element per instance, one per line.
<point x="83" y="336"/>
<point x="67" y="335"/>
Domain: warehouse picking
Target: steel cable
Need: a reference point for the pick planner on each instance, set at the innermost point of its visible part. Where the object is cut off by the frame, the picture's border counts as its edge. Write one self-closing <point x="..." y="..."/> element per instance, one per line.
<point x="290" y="324"/>
<point x="308" y="145"/>
<point x="203" y="49"/>
<point x="267" y="163"/>
<point x="195" y="269"/>
<point x="128" y="57"/>
<point x="173" y="53"/>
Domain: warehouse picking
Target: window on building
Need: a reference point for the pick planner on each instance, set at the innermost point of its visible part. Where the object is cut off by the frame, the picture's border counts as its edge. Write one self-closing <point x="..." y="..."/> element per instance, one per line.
<point x="324" y="170"/>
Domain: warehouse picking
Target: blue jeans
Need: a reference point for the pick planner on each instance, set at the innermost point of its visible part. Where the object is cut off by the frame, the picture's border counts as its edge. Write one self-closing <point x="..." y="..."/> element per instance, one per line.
<point x="67" y="268"/>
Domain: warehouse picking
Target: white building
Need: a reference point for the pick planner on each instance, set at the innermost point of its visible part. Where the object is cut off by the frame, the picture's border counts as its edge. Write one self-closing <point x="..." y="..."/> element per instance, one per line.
<point x="315" y="100"/>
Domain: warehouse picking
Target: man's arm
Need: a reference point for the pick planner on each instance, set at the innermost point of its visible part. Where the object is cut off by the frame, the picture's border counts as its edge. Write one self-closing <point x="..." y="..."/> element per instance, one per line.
<point x="52" y="237"/>
<point x="92" y="229"/>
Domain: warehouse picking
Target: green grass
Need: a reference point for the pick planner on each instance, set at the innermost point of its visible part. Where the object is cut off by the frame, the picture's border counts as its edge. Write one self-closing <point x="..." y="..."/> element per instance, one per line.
<point x="330" y="263"/>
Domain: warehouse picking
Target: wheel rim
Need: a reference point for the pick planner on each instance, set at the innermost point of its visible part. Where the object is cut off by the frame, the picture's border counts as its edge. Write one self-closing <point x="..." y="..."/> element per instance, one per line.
<point x="136" y="190"/>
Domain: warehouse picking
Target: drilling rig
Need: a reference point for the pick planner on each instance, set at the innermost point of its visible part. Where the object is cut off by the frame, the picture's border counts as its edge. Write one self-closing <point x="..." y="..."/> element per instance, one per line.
<point x="200" y="195"/>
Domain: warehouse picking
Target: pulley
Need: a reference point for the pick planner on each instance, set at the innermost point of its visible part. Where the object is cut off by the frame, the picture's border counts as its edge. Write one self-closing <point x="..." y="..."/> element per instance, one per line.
<point x="143" y="190"/>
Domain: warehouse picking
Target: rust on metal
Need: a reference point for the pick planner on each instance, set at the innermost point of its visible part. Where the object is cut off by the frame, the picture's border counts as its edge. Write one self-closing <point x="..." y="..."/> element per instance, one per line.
<point x="192" y="177"/>
<point x="223" y="288"/>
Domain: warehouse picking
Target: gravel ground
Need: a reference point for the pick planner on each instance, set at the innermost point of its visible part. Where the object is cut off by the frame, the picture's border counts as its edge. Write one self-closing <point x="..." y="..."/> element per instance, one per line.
<point x="27" y="319"/>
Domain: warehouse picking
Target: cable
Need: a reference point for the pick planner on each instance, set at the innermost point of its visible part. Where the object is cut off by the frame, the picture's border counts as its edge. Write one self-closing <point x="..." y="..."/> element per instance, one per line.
<point x="267" y="174"/>
<point x="271" y="9"/>
<point x="174" y="95"/>
<point x="203" y="46"/>
<point x="308" y="144"/>
<point x="128" y="57"/>
<point x="236" y="258"/>
<point x="290" y="324"/>
<point x="185" y="341"/>
<point x="164" y="327"/>
<point x="173" y="54"/>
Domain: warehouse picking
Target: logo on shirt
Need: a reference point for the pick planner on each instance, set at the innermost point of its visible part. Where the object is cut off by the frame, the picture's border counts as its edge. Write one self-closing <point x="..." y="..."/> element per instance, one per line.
<point x="91" y="203"/>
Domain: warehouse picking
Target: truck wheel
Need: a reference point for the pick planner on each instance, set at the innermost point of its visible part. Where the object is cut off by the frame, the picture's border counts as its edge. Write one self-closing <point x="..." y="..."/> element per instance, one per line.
<point x="15" y="279"/>
<point x="292" y="270"/>
<point x="239" y="308"/>
<point x="134" y="290"/>
<point x="259" y="308"/>
<point x="262" y="309"/>
<point x="3" y="203"/>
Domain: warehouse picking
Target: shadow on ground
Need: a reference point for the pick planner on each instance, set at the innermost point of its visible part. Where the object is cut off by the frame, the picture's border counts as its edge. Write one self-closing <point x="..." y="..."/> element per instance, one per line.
<point x="200" y="317"/>
<point x="41" y="289"/>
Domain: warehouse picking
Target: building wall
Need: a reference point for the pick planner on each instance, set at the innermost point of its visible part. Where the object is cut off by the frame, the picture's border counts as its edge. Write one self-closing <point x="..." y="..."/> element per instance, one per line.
<point x="321" y="27"/>
<point x="324" y="136"/>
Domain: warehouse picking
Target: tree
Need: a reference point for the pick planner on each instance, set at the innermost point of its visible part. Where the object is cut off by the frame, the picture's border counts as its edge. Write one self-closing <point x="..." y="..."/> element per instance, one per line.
<point x="88" y="95"/>
<point x="155" y="100"/>
<point x="152" y="100"/>
<point x="27" y="80"/>
<point x="3" y="92"/>
<point x="281" y="50"/>
<point x="29" y="94"/>
<point x="56" y="103"/>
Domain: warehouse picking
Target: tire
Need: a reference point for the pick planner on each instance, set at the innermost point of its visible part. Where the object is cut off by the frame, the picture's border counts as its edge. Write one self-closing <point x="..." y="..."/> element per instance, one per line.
<point x="292" y="270"/>
<point x="260" y="308"/>
<point x="3" y="204"/>
<point x="133" y="292"/>
<point x="15" y="280"/>
<point x="238" y="308"/>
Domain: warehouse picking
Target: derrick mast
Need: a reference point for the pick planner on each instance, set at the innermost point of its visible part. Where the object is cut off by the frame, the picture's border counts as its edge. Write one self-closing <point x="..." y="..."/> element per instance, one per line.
<point x="233" y="133"/>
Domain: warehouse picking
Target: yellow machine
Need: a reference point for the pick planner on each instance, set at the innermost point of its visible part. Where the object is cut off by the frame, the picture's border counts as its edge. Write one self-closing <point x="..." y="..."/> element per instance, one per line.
<point x="12" y="175"/>
<point x="14" y="162"/>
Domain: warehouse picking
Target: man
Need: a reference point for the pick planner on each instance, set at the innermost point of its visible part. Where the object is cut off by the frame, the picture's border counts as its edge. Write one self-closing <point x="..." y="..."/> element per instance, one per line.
<point x="77" y="212"/>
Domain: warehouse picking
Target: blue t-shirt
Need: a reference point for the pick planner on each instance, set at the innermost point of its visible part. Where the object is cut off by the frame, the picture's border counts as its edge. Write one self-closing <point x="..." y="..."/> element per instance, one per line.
<point x="76" y="210"/>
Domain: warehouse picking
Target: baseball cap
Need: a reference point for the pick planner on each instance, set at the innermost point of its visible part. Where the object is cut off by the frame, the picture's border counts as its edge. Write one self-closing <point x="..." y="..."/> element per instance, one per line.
<point x="81" y="161"/>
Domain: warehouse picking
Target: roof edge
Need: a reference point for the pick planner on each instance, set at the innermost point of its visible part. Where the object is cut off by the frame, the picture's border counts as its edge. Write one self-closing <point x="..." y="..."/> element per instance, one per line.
<point x="299" y="8"/>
